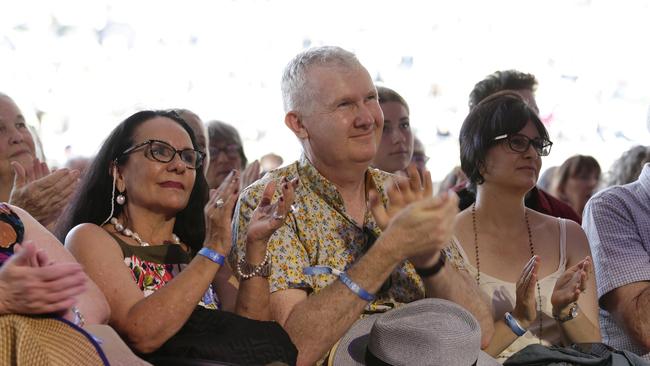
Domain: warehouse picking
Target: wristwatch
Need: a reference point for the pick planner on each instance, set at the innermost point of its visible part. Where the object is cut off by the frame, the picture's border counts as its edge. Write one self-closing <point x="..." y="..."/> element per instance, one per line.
<point x="573" y="313"/>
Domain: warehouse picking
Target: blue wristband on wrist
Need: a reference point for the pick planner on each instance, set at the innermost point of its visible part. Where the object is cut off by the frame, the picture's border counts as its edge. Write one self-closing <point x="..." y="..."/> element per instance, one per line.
<point x="212" y="255"/>
<point x="354" y="287"/>
<point x="343" y="277"/>
<point x="514" y="324"/>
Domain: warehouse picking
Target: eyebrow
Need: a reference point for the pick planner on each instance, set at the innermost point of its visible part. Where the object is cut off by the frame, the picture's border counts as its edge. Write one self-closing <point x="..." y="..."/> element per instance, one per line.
<point x="19" y="117"/>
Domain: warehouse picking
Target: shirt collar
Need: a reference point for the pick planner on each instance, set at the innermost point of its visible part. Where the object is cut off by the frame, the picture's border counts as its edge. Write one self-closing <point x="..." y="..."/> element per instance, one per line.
<point x="644" y="178"/>
<point x="327" y="191"/>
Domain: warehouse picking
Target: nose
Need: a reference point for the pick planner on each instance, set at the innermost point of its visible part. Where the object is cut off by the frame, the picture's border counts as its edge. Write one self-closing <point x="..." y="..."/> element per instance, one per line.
<point x="397" y="136"/>
<point x="531" y="153"/>
<point x="364" y="118"/>
<point x="16" y="137"/>
<point x="221" y="157"/>
<point x="177" y="164"/>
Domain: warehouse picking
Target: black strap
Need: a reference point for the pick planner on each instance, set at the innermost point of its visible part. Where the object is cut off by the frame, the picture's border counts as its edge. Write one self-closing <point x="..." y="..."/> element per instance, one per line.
<point x="433" y="270"/>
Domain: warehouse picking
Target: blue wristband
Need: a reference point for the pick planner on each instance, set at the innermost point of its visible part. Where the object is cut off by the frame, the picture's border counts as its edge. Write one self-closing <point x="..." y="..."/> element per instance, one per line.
<point x="514" y="324"/>
<point x="343" y="277"/>
<point x="212" y="255"/>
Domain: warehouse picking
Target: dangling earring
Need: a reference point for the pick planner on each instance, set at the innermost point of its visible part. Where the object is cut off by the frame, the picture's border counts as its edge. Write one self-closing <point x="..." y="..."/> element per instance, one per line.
<point x="110" y="215"/>
<point x="120" y="199"/>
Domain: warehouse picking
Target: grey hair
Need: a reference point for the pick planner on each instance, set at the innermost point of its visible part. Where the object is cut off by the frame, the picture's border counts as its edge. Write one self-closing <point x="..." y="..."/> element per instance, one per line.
<point x="627" y="168"/>
<point x="295" y="93"/>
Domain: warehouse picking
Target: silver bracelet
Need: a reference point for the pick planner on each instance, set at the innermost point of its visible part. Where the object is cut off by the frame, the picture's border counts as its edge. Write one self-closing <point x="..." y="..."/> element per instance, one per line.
<point x="246" y="270"/>
<point x="78" y="319"/>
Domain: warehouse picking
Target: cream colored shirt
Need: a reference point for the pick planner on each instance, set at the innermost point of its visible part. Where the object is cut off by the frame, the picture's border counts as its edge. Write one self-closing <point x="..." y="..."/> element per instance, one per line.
<point x="503" y="296"/>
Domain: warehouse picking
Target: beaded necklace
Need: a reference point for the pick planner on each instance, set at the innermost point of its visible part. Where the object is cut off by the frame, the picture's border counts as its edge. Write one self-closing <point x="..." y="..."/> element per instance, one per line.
<point x="532" y="253"/>
<point x="132" y="234"/>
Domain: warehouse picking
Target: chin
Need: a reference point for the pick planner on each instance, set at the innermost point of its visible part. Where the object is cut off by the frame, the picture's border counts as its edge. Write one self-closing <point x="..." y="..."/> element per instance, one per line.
<point x="26" y="160"/>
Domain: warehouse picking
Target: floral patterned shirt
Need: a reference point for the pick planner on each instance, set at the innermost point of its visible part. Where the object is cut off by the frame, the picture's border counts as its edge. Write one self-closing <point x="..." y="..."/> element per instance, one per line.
<point x="320" y="233"/>
<point x="152" y="267"/>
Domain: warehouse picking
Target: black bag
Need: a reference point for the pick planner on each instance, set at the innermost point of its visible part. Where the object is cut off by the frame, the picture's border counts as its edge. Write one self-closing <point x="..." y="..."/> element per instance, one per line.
<point x="214" y="337"/>
<point x="588" y="354"/>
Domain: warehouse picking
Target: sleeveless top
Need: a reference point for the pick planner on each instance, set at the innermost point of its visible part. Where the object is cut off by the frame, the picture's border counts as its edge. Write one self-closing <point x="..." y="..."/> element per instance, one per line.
<point x="503" y="296"/>
<point x="152" y="267"/>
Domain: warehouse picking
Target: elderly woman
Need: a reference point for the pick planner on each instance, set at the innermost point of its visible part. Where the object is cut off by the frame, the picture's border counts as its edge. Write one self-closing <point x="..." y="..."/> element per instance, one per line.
<point x="553" y="300"/>
<point x="24" y="181"/>
<point x="227" y="154"/>
<point x="576" y="180"/>
<point x="154" y="242"/>
<point x="396" y="147"/>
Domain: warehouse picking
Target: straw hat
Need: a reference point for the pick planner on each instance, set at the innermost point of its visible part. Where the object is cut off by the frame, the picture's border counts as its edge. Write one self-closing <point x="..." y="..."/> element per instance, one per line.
<point x="26" y="340"/>
<point x="424" y="332"/>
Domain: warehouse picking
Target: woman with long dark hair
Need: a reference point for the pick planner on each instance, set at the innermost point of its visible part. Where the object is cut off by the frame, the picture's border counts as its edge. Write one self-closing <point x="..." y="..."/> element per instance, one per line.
<point x="154" y="239"/>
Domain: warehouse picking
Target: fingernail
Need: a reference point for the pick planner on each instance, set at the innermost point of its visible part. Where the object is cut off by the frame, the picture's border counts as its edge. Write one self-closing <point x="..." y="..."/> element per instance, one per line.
<point x="285" y="186"/>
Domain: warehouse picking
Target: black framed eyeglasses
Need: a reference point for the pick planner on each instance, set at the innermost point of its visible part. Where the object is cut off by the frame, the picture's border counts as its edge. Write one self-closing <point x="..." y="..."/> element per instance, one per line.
<point x="231" y="151"/>
<point x="521" y="143"/>
<point x="164" y="153"/>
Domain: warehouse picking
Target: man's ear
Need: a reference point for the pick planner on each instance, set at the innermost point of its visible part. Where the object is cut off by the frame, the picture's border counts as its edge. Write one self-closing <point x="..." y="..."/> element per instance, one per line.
<point x="294" y="122"/>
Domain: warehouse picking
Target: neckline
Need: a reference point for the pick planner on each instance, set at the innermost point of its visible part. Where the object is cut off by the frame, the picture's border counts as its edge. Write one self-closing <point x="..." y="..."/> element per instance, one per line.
<point x="462" y="253"/>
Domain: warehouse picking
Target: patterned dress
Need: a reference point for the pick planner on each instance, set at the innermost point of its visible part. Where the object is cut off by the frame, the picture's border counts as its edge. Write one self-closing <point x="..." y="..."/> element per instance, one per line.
<point x="152" y="267"/>
<point x="11" y="231"/>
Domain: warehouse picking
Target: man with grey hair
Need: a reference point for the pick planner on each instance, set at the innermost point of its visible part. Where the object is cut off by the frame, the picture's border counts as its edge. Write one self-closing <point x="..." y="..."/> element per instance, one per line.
<point x="340" y="227"/>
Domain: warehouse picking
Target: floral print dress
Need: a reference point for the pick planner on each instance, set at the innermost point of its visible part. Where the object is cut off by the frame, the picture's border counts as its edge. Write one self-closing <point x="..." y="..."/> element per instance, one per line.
<point x="152" y="267"/>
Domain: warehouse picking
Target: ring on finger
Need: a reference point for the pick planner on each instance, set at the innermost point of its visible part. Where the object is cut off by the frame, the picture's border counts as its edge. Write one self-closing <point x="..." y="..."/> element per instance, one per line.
<point x="219" y="203"/>
<point x="278" y="217"/>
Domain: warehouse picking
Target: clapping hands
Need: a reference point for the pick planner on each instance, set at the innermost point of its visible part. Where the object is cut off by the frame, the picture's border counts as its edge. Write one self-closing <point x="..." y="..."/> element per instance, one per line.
<point x="31" y="284"/>
<point x="42" y="193"/>
<point x="571" y="285"/>
<point x="268" y="217"/>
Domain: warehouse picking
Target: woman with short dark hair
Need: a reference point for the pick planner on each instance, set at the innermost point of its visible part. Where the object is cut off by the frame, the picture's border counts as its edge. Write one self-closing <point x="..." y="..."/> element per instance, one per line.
<point x="554" y="298"/>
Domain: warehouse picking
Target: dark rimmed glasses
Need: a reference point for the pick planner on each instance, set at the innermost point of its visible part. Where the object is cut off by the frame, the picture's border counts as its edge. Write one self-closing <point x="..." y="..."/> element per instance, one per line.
<point x="164" y="153"/>
<point x="521" y="143"/>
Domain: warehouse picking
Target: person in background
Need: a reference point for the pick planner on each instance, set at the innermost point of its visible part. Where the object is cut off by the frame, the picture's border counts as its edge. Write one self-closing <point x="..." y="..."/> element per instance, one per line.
<point x="524" y="85"/>
<point x="419" y="157"/>
<point x="627" y="168"/>
<point x="396" y="147"/>
<point x="25" y="181"/>
<point x="80" y="163"/>
<point x="227" y="154"/>
<point x="546" y="179"/>
<point x="200" y="131"/>
<point x="576" y="181"/>
<point x="617" y="223"/>
<point x="269" y="162"/>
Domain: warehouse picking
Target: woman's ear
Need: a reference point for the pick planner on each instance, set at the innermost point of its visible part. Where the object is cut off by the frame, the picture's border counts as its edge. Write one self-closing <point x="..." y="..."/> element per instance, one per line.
<point x="117" y="175"/>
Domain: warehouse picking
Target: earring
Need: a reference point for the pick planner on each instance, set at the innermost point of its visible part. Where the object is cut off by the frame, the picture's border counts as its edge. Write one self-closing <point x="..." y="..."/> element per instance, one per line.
<point x="120" y="199"/>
